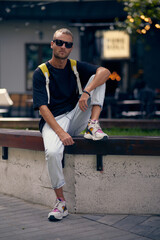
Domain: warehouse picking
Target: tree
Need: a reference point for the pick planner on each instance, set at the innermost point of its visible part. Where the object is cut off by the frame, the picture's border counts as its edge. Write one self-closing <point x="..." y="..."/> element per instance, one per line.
<point x="142" y="15"/>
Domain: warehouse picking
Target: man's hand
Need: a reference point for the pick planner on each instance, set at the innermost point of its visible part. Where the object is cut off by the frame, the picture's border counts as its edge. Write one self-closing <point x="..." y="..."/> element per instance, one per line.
<point x="83" y="102"/>
<point x="65" y="138"/>
<point x="49" y="118"/>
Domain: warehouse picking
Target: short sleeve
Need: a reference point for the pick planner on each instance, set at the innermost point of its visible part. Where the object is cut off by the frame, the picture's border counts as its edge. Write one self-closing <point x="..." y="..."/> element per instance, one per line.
<point x="39" y="90"/>
<point x="85" y="70"/>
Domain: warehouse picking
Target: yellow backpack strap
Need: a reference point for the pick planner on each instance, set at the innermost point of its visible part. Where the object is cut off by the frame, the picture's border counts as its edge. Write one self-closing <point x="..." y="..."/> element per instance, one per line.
<point x="45" y="71"/>
<point x="73" y="63"/>
<point x="74" y="69"/>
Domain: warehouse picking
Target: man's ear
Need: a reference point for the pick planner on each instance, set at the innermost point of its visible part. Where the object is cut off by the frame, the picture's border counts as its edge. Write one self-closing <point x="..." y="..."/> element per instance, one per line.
<point x="51" y="44"/>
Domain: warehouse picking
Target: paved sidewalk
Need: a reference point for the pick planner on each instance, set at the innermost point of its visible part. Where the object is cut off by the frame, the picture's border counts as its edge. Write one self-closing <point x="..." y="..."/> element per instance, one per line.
<point x="20" y="220"/>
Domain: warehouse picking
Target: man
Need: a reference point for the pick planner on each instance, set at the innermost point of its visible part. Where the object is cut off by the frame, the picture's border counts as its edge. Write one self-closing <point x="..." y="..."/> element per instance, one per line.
<point x="65" y="113"/>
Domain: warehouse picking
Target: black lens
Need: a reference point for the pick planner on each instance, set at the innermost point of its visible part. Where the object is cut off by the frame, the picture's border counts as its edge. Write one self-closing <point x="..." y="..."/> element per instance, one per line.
<point x="60" y="43"/>
<point x="68" y="44"/>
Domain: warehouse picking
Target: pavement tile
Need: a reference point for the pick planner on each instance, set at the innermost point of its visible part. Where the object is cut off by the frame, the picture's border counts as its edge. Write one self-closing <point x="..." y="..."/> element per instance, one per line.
<point x="6" y="229"/>
<point x="111" y="219"/>
<point x="153" y="221"/>
<point x="18" y="232"/>
<point x="83" y="233"/>
<point x="73" y="216"/>
<point x="99" y="232"/>
<point x="2" y="207"/>
<point x="106" y="236"/>
<point x="143" y="230"/>
<point x="155" y="234"/>
<point x="94" y="233"/>
<point x="142" y="238"/>
<point x="129" y="236"/>
<point x="72" y="230"/>
<point x="13" y="237"/>
<point x="93" y="217"/>
<point x="130" y="221"/>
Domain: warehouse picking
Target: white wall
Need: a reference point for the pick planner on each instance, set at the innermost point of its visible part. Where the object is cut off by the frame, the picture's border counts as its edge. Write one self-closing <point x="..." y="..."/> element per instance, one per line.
<point x="13" y="37"/>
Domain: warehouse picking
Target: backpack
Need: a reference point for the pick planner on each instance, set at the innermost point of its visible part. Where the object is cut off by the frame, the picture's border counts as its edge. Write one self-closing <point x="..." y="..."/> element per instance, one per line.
<point x="46" y="73"/>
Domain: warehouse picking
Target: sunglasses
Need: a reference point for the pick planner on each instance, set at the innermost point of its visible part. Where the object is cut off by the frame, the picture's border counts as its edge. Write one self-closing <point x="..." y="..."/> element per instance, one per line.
<point x="60" y="43"/>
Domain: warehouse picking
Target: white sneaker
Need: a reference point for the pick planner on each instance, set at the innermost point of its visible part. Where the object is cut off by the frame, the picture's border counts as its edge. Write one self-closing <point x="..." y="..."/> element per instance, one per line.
<point x="59" y="211"/>
<point x="94" y="131"/>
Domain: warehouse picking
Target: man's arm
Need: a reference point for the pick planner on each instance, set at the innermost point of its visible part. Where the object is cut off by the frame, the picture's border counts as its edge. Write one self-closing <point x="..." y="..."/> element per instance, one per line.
<point x="100" y="78"/>
<point x="49" y="118"/>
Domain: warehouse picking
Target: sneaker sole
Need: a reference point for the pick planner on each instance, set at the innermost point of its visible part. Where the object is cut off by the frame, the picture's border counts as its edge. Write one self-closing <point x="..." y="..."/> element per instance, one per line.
<point x="90" y="137"/>
<point x="52" y="218"/>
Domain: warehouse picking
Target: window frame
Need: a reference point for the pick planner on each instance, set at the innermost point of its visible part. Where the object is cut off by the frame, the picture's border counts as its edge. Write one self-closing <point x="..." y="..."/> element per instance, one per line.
<point x="40" y="60"/>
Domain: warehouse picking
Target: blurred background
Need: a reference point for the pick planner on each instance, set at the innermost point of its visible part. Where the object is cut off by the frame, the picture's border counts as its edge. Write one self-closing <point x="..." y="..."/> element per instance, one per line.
<point x="120" y="35"/>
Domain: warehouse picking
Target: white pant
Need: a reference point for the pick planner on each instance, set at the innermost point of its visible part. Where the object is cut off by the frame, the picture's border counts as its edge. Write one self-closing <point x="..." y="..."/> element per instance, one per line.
<point x="72" y="122"/>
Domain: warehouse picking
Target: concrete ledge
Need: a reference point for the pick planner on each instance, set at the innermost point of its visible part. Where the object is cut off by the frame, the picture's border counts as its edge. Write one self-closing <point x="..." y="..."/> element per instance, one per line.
<point x="128" y="184"/>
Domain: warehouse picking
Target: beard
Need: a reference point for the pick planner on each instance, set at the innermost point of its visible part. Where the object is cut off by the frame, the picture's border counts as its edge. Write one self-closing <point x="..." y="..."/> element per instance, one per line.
<point x="60" y="56"/>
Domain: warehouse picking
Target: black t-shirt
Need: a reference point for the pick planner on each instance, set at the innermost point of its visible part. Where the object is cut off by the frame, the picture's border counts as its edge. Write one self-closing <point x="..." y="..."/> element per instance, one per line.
<point x="63" y="88"/>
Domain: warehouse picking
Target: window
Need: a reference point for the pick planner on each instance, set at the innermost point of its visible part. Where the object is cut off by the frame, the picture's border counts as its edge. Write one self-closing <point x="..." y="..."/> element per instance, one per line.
<point x="35" y="55"/>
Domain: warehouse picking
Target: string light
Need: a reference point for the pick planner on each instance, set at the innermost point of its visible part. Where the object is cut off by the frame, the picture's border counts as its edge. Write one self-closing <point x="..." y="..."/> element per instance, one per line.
<point x="29" y="5"/>
<point x="142" y="17"/>
<point x="157" y="26"/>
<point x="146" y="24"/>
<point x="139" y="31"/>
<point x="144" y="31"/>
<point x="140" y="14"/>
<point x="147" y="27"/>
<point x="131" y="20"/>
<point x="146" y="19"/>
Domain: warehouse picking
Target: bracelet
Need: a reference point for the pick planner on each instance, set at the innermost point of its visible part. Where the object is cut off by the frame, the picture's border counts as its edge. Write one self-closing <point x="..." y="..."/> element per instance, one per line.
<point x="86" y="92"/>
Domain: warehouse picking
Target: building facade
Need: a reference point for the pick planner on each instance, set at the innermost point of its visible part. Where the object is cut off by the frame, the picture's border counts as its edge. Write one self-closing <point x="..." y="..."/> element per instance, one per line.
<point x="26" y="29"/>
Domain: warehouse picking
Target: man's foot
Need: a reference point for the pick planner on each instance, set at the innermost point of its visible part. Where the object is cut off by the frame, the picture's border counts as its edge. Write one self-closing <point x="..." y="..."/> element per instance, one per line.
<point x="59" y="211"/>
<point x="94" y="131"/>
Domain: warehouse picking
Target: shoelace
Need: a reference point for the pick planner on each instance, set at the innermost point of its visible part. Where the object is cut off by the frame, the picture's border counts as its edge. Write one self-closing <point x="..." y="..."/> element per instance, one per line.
<point x="55" y="209"/>
<point x="96" y="125"/>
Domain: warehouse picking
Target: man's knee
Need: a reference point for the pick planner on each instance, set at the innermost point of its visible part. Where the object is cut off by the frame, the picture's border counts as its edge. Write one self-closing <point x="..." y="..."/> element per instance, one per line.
<point x="53" y="154"/>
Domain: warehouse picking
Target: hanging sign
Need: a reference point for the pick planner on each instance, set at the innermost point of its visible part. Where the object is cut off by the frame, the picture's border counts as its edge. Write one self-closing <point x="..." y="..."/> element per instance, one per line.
<point x="116" y="45"/>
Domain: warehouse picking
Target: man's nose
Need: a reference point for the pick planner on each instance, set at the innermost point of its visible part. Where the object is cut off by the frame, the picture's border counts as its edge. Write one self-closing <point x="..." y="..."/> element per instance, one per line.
<point x="63" y="45"/>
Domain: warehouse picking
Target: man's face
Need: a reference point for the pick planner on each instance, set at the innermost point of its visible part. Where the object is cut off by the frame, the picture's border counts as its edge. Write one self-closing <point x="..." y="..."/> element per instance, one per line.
<point x="61" y="52"/>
